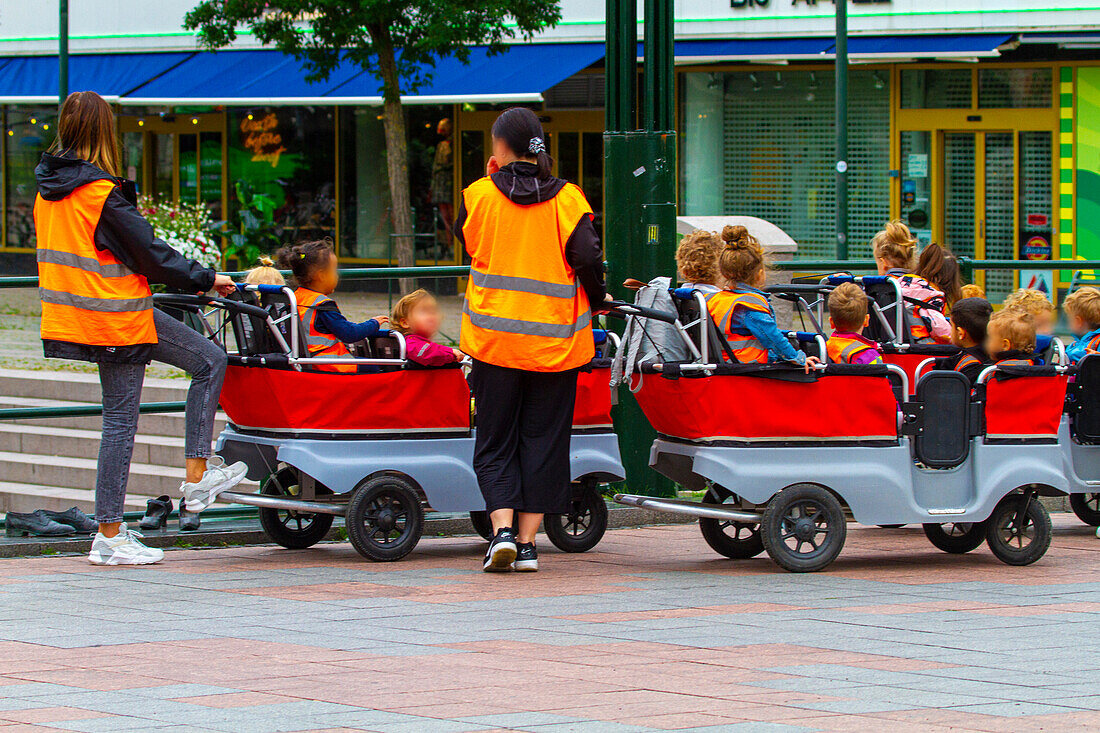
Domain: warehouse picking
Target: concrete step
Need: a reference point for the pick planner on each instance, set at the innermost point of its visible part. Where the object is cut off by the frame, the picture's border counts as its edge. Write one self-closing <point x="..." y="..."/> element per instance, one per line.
<point x="79" y="387"/>
<point x="18" y="437"/>
<point x="169" y="423"/>
<point x="17" y="497"/>
<point x="64" y="471"/>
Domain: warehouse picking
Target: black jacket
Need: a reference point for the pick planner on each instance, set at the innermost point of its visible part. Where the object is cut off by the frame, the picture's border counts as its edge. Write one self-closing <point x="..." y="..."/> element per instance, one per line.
<point x="520" y="182"/>
<point x="972" y="372"/>
<point x="126" y="234"/>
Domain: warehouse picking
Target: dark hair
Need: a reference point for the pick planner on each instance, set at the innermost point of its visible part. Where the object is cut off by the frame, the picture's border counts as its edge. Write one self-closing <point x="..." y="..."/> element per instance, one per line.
<point x="521" y="131"/>
<point x="939" y="267"/>
<point x="305" y="258"/>
<point x="972" y="315"/>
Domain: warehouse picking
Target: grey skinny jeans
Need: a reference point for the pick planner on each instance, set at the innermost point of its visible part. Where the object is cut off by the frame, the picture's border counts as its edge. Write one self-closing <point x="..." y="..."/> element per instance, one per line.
<point x="180" y="346"/>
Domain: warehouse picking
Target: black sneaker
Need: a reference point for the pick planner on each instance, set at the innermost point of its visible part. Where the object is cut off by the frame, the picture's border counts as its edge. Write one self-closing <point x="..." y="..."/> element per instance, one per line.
<point x="527" y="558"/>
<point x="501" y="553"/>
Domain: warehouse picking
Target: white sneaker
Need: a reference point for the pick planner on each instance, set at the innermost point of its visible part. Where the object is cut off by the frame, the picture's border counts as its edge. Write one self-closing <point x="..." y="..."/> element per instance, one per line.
<point x="123" y="549"/>
<point x="217" y="478"/>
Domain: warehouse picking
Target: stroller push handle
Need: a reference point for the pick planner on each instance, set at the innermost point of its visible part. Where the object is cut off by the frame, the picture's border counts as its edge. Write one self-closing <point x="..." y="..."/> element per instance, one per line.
<point x="622" y="309"/>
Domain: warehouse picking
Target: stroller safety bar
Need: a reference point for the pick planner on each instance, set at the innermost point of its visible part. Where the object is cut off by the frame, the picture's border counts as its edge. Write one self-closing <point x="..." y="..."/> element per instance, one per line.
<point x="690" y="508"/>
<point x="989" y="371"/>
<point x="275" y="502"/>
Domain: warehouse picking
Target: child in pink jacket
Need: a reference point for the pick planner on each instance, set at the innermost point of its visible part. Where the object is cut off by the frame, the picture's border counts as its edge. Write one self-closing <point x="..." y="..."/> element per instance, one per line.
<point x="417" y="317"/>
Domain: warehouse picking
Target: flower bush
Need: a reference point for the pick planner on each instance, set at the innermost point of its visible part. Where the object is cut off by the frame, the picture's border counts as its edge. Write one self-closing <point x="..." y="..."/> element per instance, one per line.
<point x="186" y="228"/>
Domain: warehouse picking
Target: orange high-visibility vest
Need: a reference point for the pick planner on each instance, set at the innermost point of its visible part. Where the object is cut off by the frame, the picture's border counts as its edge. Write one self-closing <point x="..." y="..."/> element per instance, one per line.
<point x="320" y="344"/>
<point x="721" y="305"/>
<point x="1017" y="362"/>
<point x="524" y="308"/>
<point x="966" y="361"/>
<point x="1094" y="344"/>
<point x="88" y="296"/>
<point x="842" y="350"/>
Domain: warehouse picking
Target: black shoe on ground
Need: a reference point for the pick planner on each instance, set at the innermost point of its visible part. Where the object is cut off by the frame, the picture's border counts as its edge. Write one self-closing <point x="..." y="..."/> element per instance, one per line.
<point x="527" y="558"/>
<point x="189" y="521"/>
<point x="501" y="553"/>
<point x="21" y="525"/>
<point x="73" y="517"/>
<point x="156" y="513"/>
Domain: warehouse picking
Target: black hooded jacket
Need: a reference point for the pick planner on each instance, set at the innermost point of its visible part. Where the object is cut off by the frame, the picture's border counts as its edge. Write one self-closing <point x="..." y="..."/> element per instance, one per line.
<point x="125" y="233"/>
<point x="520" y="182"/>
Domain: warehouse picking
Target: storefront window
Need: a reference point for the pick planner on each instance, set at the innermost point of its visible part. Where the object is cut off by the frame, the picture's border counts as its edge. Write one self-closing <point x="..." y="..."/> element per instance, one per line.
<point x="935" y="88"/>
<point x="1015" y="88"/>
<point x="762" y="144"/>
<point x="29" y="132"/>
<point x="288" y="153"/>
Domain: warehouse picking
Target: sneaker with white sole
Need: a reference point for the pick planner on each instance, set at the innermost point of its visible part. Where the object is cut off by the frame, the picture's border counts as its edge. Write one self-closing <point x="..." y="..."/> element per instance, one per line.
<point x="501" y="552"/>
<point x="527" y="558"/>
<point x="125" y="548"/>
<point x="217" y="478"/>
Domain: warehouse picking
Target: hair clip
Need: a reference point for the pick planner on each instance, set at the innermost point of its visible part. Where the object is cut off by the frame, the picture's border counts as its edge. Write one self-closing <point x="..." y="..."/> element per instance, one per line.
<point x="536" y="146"/>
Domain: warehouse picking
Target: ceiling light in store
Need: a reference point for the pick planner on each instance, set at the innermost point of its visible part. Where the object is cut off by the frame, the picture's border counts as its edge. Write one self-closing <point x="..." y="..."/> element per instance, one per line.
<point x="34" y="121"/>
<point x="194" y="120"/>
<point x="11" y="132"/>
<point x="141" y="123"/>
<point x="45" y="126"/>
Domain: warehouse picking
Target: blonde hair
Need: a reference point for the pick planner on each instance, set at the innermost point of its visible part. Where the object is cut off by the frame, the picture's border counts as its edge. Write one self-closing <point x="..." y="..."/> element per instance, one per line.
<point x="742" y="257"/>
<point x="1085" y="304"/>
<point x="697" y="257"/>
<point x="403" y="308"/>
<point x="264" y="273"/>
<point x="848" y="307"/>
<point x="895" y="244"/>
<point x="1015" y="325"/>
<point x="86" y="129"/>
<point x="970" y="290"/>
<point x="1030" y="301"/>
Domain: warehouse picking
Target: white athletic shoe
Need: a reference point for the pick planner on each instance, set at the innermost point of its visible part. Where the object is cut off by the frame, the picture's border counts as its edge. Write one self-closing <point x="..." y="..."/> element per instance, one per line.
<point x="124" y="548"/>
<point x="218" y="478"/>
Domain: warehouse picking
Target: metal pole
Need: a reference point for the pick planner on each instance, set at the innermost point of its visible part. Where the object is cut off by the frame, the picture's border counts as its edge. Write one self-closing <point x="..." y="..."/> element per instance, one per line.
<point x="621" y="46"/>
<point x="63" y="51"/>
<point x="842" y="129"/>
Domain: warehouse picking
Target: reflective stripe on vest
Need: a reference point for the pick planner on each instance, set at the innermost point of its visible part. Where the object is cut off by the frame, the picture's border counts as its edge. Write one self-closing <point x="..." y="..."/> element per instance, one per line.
<point x="966" y="362"/>
<point x="320" y="344"/>
<point x="1016" y="362"/>
<point x="88" y="296"/>
<point x="842" y="350"/>
<point x="524" y="308"/>
<point x="746" y="347"/>
<point x="1094" y="344"/>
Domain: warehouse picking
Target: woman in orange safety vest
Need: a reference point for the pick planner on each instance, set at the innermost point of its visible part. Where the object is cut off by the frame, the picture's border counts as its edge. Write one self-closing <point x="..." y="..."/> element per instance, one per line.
<point x="96" y="258"/>
<point x="536" y="268"/>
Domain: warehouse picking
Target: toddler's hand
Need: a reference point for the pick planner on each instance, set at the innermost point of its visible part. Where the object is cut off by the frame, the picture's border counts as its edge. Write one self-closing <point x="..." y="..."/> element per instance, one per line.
<point x="459" y="356"/>
<point x="811" y="362"/>
<point x="381" y="320"/>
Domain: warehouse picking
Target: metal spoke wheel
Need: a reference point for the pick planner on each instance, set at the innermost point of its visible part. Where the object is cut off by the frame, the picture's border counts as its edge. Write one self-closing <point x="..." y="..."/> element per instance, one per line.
<point x="1019" y="530"/>
<point x="291" y="529"/>
<point x="735" y="540"/>
<point x="384" y="518"/>
<point x="956" y="537"/>
<point x="1086" y="507"/>
<point x="804" y="528"/>
<point x="583" y="526"/>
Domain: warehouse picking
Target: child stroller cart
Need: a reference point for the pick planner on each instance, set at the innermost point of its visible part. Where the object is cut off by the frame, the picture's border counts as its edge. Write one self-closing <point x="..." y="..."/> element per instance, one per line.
<point x="787" y="458"/>
<point x="1079" y="437"/>
<point x="376" y="448"/>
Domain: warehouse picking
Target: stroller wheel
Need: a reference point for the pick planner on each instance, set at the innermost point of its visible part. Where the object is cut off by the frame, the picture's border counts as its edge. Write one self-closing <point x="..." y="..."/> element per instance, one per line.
<point x="583" y="526"/>
<point x="735" y="540"/>
<point x="384" y="518"/>
<point x="1017" y="542"/>
<point x="1086" y="507"/>
<point x="293" y="530"/>
<point x="482" y="525"/>
<point x="804" y="528"/>
<point x="956" y="537"/>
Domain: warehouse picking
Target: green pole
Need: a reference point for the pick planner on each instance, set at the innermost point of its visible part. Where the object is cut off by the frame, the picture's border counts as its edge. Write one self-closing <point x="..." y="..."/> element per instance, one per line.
<point x="621" y="69"/>
<point x="63" y="51"/>
<point x="842" y="129"/>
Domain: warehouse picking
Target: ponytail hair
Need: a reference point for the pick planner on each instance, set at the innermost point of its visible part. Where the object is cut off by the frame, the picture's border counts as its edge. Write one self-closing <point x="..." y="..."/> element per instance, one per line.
<point x="521" y="131"/>
<point x="305" y="259"/>
<point x="742" y="257"/>
<point x="896" y="245"/>
<point x="940" y="268"/>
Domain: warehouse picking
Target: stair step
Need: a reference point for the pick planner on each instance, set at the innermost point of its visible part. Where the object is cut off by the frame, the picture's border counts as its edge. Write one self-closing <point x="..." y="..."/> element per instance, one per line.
<point x="18" y="437"/>
<point x="80" y="387"/>
<point x="167" y="423"/>
<point x="17" y="497"/>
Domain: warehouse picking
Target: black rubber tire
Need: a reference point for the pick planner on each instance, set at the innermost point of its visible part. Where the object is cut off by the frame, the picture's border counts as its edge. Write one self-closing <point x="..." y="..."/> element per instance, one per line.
<point x="1086" y="507"/>
<point x="583" y="526"/>
<point x="956" y="538"/>
<point x="810" y="511"/>
<point x="1001" y="534"/>
<point x="735" y="540"/>
<point x="385" y="518"/>
<point x="307" y="529"/>
<point x="482" y="525"/>
<point x="890" y="526"/>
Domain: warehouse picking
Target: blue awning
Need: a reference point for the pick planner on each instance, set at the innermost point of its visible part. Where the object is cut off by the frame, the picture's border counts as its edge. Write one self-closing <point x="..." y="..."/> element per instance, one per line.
<point x="922" y="46"/>
<point x="519" y="73"/>
<point x="35" y="78"/>
<point x="750" y="49"/>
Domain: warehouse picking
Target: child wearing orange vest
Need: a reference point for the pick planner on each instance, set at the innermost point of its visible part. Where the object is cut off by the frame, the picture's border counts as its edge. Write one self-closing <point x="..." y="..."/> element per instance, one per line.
<point x="1083" y="310"/>
<point x="969" y="323"/>
<point x="848" y="317"/>
<point x="326" y="329"/>
<point x="1010" y="338"/>
<point x="742" y="310"/>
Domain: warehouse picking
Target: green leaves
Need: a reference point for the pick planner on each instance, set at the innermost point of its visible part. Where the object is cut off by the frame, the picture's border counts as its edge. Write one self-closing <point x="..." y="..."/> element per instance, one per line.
<point x="254" y="224"/>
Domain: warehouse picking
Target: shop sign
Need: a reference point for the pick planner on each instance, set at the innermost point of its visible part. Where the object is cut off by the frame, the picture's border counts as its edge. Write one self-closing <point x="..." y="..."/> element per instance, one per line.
<point x="917" y="165"/>
<point x="1035" y="238"/>
<point x="260" y="136"/>
<point x="808" y="4"/>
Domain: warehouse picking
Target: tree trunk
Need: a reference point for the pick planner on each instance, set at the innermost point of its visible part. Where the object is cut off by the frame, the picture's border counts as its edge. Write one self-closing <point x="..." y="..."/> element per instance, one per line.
<point x="397" y="154"/>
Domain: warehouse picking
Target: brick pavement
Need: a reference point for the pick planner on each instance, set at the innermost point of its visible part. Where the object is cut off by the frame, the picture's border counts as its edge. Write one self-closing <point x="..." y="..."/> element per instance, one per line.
<point x="650" y="631"/>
